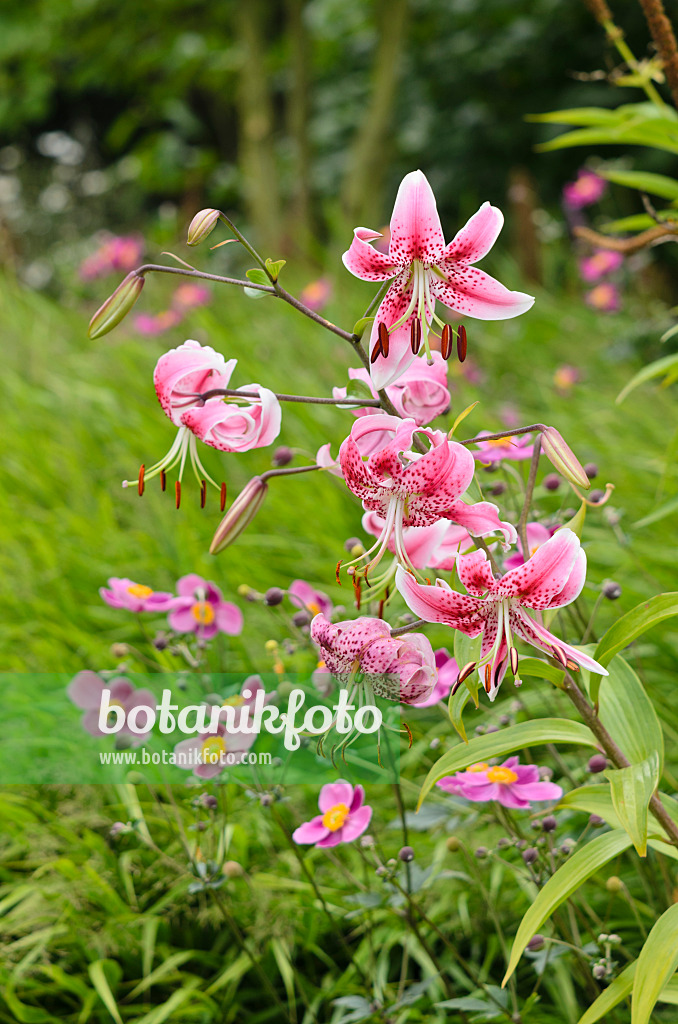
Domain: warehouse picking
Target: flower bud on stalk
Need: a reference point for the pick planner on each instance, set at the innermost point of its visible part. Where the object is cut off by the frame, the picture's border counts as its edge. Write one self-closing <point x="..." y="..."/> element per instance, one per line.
<point x="562" y="458"/>
<point x="117" y="306"/>
<point x="240" y="514"/>
<point x="202" y="226"/>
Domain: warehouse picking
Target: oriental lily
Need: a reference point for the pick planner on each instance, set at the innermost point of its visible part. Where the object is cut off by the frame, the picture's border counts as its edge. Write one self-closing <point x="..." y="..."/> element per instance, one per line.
<point x="408" y="489"/>
<point x="552" y="578"/>
<point x="421" y="269"/>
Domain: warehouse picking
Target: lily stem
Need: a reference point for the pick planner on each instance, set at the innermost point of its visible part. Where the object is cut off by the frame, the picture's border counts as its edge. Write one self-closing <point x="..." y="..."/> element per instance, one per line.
<point x="529" y="491"/>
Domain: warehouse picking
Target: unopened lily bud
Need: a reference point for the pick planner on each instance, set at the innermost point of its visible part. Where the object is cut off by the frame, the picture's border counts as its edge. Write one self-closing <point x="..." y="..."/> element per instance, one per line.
<point x="117" y="306"/>
<point x="240" y="514"/>
<point x="562" y="458"/>
<point x="202" y="226"/>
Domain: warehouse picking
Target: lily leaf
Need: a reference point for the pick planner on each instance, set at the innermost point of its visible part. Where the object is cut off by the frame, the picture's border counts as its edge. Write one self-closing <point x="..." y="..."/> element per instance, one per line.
<point x="657" y="962"/>
<point x="631" y="789"/>
<point x="636" y="622"/>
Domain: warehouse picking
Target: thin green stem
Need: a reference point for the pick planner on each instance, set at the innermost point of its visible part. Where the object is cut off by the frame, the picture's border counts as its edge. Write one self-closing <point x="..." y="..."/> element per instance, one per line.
<point x="527" y="504"/>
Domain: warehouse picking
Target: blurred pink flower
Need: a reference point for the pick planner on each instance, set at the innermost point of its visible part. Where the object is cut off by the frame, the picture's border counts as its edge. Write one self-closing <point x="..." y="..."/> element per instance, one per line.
<point x="200" y="608"/>
<point x="85" y="691"/>
<point x="605" y="297"/>
<point x="304" y="596"/>
<point x="565" y="379"/>
<point x="448" y="671"/>
<point x="189" y="295"/>
<point x="344" y="816"/>
<point x="587" y="189"/>
<point x="153" y="325"/>
<point x="135" y="597"/>
<point x="398" y="668"/>
<point x="435" y="546"/>
<point x="514" y="448"/>
<point x="317" y="293"/>
<point x="208" y="753"/>
<point x="420" y="392"/>
<point x="121" y="253"/>
<point x="603" y="262"/>
<point x="510" y="784"/>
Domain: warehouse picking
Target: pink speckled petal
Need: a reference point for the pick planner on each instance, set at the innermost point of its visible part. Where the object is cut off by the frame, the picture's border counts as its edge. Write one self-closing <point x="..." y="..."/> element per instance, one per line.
<point x="477" y="236"/>
<point x="366" y="262"/>
<point x="574" y="585"/>
<point x="544" y="576"/>
<point x="441" y="604"/>
<point x="472" y="292"/>
<point x="415" y="225"/>
<point x="481" y="519"/>
<point x="475" y="573"/>
<point x="384" y="371"/>
<point x="539" y="637"/>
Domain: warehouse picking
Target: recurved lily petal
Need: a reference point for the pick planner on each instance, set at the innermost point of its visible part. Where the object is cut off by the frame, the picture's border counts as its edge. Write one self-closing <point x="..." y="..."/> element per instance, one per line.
<point x="477" y="236"/>
<point x="475" y="573"/>
<point x="472" y="292"/>
<point x="538" y="636"/>
<point x="545" y="575"/>
<point x="366" y="262"/>
<point x="481" y="519"/>
<point x="442" y="604"/>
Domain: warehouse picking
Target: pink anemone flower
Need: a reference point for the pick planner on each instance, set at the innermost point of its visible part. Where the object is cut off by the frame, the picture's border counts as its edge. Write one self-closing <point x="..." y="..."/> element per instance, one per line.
<point x="511" y="784"/>
<point x="605" y="297"/>
<point x="552" y="578"/>
<point x="135" y="597"/>
<point x="85" y="691"/>
<point x="587" y="189"/>
<point x="304" y="596"/>
<point x="422" y="269"/>
<point x="603" y="262"/>
<point x="344" y="816"/>
<point x="420" y="393"/>
<point x="208" y="753"/>
<point x="447" y="670"/>
<point x="398" y="668"/>
<point x="410" y="489"/>
<point x="514" y="448"/>
<point x="537" y="534"/>
<point x="200" y="608"/>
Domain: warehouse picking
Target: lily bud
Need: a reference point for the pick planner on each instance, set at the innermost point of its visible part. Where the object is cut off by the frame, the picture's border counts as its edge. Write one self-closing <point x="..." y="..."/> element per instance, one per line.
<point x="562" y="458"/>
<point x="202" y="226"/>
<point x="240" y="514"/>
<point x="117" y="306"/>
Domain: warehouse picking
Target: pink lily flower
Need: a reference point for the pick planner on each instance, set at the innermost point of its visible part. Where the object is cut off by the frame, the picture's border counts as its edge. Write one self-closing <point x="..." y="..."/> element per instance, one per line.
<point x="420" y="393"/>
<point x="435" y="546"/>
<point x="325" y="461"/>
<point x="208" y="753"/>
<point x="605" y="297"/>
<point x="603" y="262"/>
<point x="448" y="671"/>
<point x="511" y="784"/>
<point x="552" y="578"/>
<point x="135" y="597"/>
<point x="231" y="427"/>
<point x="344" y="816"/>
<point x="514" y="448"/>
<point x="200" y="608"/>
<point x="587" y="189"/>
<point x="398" y="668"/>
<point x="409" y="489"/>
<point x="304" y="596"/>
<point x="85" y="691"/>
<point x="536" y="536"/>
<point x="422" y="269"/>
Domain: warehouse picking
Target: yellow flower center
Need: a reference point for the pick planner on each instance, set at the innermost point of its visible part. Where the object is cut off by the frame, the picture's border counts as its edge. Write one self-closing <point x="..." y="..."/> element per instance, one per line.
<point x="502" y="775"/>
<point x="313" y="607"/>
<point x="480" y="767"/>
<point x="498" y="442"/>
<point x="212" y="749"/>
<point x="235" y="701"/>
<point x="203" y="612"/>
<point x="335" y="817"/>
<point x="139" y="590"/>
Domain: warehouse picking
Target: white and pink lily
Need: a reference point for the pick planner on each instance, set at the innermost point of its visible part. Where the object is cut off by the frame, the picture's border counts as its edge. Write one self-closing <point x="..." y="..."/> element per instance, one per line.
<point x="422" y="269"/>
<point x="420" y="393"/>
<point x="552" y="578"/>
<point x="407" y="488"/>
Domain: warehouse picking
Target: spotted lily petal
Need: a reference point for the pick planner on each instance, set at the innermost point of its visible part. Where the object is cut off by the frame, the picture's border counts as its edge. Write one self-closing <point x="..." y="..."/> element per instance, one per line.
<point x="442" y="604"/>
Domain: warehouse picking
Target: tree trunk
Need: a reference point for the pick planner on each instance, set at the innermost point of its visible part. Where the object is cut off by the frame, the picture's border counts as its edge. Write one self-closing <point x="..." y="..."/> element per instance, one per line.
<point x="363" y="182"/>
<point x="299" y="226"/>
<point x="255" y="142"/>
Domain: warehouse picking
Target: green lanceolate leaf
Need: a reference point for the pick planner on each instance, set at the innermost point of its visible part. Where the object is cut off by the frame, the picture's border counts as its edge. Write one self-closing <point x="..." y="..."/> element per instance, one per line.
<point x="631" y="789"/>
<point x="97" y="972"/>
<point x="525" y="734"/>
<point x="567" y="879"/>
<point x="466" y="650"/>
<point x="636" y="622"/>
<point x="655" y="184"/>
<point x="656" y="369"/>
<point x="627" y="713"/>
<point x="657" y="962"/>
<point x="538" y="669"/>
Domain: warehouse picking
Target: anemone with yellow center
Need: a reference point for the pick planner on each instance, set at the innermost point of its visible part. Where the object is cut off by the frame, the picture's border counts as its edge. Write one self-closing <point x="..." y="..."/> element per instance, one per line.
<point x="335" y="817"/>
<point x="203" y="613"/>
<point x="139" y="590"/>
<point x="212" y="749"/>
<point x="504" y="776"/>
<point x="236" y="701"/>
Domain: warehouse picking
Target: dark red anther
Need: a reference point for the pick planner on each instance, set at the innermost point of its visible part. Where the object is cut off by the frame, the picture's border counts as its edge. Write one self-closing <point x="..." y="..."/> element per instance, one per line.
<point x="461" y="343"/>
<point x="383" y="339"/>
<point x="141" y="480"/>
<point x="222" y="502"/>
<point x="514" y="661"/>
<point x="377" y="351"/>
<point x="177" y="493"/>
<point x="559" y="655"/>
<point x="336" y="573"/>
<point x="356" y="589"/>
<point x="466" y="672"/>
<point x="203" y="493"/>
<point x="446" y="342"/>
<point x="409" y="733"/>
<point x="163" y="479"/>
<point x="380" y="613"/>
<point x="428" y="580"/>
<point x="415" y="336"/>
<point x="488" y="678"/>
